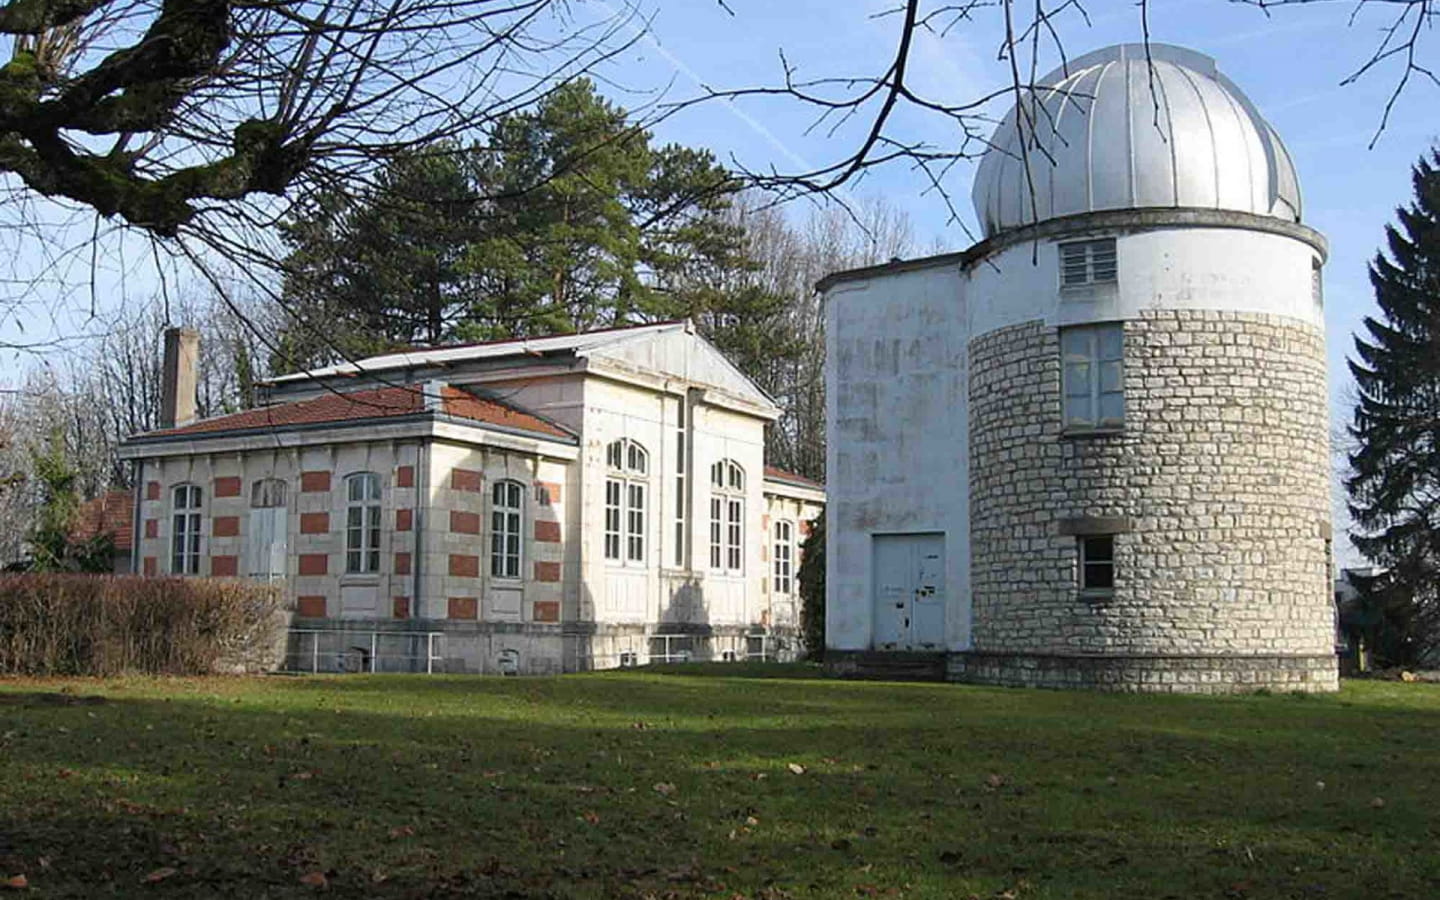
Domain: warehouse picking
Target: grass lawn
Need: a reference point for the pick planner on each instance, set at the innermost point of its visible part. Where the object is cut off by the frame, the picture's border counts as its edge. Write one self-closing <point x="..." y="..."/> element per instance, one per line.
<point x="711" y="782"/>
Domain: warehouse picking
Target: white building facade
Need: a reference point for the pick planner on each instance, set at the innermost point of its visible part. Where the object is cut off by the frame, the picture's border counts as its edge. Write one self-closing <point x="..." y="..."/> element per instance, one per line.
<point x="542" y="505"/>
<point x="1092" y="449"/>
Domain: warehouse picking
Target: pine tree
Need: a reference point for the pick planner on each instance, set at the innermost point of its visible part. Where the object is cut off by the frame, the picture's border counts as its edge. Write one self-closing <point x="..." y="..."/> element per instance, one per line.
<point x="1394" y="484"/>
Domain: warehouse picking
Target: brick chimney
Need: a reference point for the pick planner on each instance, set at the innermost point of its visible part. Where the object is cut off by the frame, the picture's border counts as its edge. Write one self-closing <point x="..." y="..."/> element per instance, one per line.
<point x="177" y="379"/>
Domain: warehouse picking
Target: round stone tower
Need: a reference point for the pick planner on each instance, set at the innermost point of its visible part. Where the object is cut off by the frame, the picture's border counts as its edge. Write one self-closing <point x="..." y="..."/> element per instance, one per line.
<point x="1148" y="429"/>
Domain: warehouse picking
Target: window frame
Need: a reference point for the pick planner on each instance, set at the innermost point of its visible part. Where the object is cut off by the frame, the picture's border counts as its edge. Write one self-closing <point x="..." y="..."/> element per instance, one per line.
<point x="507" y="530"/>
<point x="364" y="558"/>
<point x="1095" y="553"/>
<point x="727" y="517"/>
<point x="1102" y="358"/>
<point x="187" y="528"/>
<point x="627" y="496"/>
<point x="783" y="551"/>
<point x="1098" y="262"/>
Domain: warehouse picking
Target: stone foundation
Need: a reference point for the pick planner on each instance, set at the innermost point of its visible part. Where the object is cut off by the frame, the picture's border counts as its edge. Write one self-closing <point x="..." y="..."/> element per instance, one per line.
<point x="1217" y="674"/>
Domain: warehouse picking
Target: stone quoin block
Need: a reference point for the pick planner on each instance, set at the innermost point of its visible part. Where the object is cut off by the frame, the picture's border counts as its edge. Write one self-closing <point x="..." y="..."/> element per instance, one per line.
<point x="547" y="532"/>
<point x="314" y="482"/>
<point x="463" y="565"/>
<point x="402" y="564"/>
<point x="225" y="526"/>
<point x="463" y="608"/>
<point x="404" y="519"/>
<point x="547" y="611"/>
<point x="314" y="563"/>
<point x="227" y="486"/>
<point x="464" y="522"/>
<point x="310" y="606"/>
<point x="547" y="571"/>
<point x="405" y="476"/>
<point x="224" y="566"/>
<point x="467" y="480"/>
<point x="315" y="523"/>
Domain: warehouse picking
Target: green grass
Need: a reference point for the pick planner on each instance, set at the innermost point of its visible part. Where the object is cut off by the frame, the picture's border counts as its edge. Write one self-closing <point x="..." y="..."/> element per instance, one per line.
<point x="677" y="784"/>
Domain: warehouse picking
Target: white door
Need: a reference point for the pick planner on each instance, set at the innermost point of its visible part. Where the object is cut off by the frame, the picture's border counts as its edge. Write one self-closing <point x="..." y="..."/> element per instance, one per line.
<point x="909" y="611"/>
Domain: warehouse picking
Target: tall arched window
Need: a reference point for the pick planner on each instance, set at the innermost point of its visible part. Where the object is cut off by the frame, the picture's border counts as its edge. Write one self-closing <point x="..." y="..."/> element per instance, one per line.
<point x="625" y="496"/>
<point x="185" y="502"/>
<point x="506" y="521"/>
<point x="727" y="516"/>
<point x="265" y="542"/>
<point x="362" y="522"/>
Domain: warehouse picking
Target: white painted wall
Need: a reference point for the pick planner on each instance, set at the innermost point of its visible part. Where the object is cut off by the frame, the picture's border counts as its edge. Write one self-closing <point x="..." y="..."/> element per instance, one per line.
<point x="898" y="453"/>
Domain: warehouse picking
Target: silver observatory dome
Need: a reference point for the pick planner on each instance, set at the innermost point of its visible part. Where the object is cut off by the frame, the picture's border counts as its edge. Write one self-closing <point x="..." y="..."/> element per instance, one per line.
<point x="1117" y="130"/>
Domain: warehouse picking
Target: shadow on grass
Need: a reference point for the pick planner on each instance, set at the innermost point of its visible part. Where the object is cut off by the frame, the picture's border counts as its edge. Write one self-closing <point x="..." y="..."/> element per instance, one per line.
<point x="644" y="784"/>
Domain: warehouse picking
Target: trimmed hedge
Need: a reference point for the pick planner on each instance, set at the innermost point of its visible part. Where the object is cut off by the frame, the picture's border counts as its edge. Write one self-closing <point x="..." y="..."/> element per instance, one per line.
<point x="60" y="624"/>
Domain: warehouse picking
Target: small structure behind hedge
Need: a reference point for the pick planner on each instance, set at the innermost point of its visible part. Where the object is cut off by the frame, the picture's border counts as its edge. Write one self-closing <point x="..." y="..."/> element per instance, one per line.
<point x="58" y="624"/>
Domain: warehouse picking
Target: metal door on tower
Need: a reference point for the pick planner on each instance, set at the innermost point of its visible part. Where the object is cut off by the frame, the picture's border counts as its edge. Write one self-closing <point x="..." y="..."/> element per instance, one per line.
<point x="909" y="599"/>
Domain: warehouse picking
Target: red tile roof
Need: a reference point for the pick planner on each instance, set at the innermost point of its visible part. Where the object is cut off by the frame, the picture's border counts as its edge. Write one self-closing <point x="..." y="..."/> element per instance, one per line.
<point x="112" y="513"/>
<point x="774" y="474"/>
<point x="379" y="403"/>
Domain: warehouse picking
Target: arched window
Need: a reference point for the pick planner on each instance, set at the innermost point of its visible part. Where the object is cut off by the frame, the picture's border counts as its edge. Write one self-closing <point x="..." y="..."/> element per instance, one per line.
<point x="727" y="516"/>
<point x="362" y="522"/>
<point x="784" y="556"/>
<point x="265" y="542"/>
<point x="625" y="495"/>
<point x="185" y="502"/>
<point x="506" y="526"/>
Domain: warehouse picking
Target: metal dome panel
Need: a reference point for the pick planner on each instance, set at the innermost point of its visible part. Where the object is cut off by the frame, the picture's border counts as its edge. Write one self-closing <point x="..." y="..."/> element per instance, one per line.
<point x="1117" y="129"/>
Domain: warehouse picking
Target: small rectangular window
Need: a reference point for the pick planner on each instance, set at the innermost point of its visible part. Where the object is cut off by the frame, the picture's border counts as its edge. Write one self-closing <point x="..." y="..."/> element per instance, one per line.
<point x="613" y="489"/>
<point x="1317" y="283"/>
<point x="1097" y="563"/>
<point x="1087" y="262"/>
<point x="1093" y="370"/>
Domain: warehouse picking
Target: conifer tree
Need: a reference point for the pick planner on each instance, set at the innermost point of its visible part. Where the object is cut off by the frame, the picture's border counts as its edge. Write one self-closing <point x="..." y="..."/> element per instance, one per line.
<point x="1394" y="485"/>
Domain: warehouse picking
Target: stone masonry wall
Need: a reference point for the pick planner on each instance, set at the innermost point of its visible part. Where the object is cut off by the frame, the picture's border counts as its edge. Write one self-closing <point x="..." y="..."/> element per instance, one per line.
<point x="1221" y="472"/>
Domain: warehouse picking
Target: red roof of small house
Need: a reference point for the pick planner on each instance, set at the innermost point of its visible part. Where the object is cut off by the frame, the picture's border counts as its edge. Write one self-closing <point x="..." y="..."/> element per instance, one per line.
<point x="775" y="474"/>
<point x="111" y="513"/>
<point x="379" y="403"/>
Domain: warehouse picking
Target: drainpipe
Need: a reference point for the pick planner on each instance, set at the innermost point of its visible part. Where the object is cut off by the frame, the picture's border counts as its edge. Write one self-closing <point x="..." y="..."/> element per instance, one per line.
<point x="137" y="477"/>
<point x="422" y="494"/>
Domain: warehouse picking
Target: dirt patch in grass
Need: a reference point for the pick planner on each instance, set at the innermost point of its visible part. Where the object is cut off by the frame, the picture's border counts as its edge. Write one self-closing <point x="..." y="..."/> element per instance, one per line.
<point x="689" y="783"/>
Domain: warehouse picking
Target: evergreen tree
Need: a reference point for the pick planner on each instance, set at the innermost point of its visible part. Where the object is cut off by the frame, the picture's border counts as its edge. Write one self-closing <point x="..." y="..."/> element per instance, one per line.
<point x="53" y="546"/>
<point x="1394" y="484"/>
<point x="811" y="578"/>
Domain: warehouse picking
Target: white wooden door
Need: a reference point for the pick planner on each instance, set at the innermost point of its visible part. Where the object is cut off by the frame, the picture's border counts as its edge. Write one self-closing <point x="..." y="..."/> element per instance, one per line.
<point x="909" y="599"/>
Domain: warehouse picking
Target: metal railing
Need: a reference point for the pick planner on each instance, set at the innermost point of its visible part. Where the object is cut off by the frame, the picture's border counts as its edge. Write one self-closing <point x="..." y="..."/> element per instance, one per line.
<point x="345" y="650"/>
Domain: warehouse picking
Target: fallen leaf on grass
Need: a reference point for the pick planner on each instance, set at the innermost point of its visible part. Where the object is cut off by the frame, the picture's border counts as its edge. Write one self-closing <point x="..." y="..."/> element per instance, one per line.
<point x="401" y="831"/>
<point x="315" y="880"/>
<point x="592" y="817"/>
<point x="796" y="768"/>
<point x="15" y="883"/>
<point x="1377" y="803"/>
<point x="994" y="779"/>
<point x="159" y="875"/>
<point x="664" y="788"/>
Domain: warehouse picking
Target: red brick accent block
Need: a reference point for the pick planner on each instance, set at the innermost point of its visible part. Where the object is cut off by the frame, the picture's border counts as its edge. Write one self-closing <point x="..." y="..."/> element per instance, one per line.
<point x="547" y="610"/>
<point x="464" y="522"/>
<point x="806" y="526"/>
<point x="402" y="564"/>
<point x="404" y="518"/>
<point x="225" y="526"/>
<point x="764" y="552"/>
<point x="315" y="523"/>
<point x="765" y="523"/>
<point x="400" y="609"/>
<point x="314" y="482"/>
<point x="463" y="608"/>
<point x="229" y="486"/>
<point x="224" y="566"/>
<point x="463" y="566"/>
<point x="405" y="477"/>
<point x="310" y="606"/>
<point x="152" y="528"/>
<point x="549" y="532"/>
<point x="547" y="493"/>
<point x="148" y="566"/>
<point x="547" y="571"/>
<point x="152" y="490"/>
<point x="314" y="563"/>
<point x="467" y="480"/>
